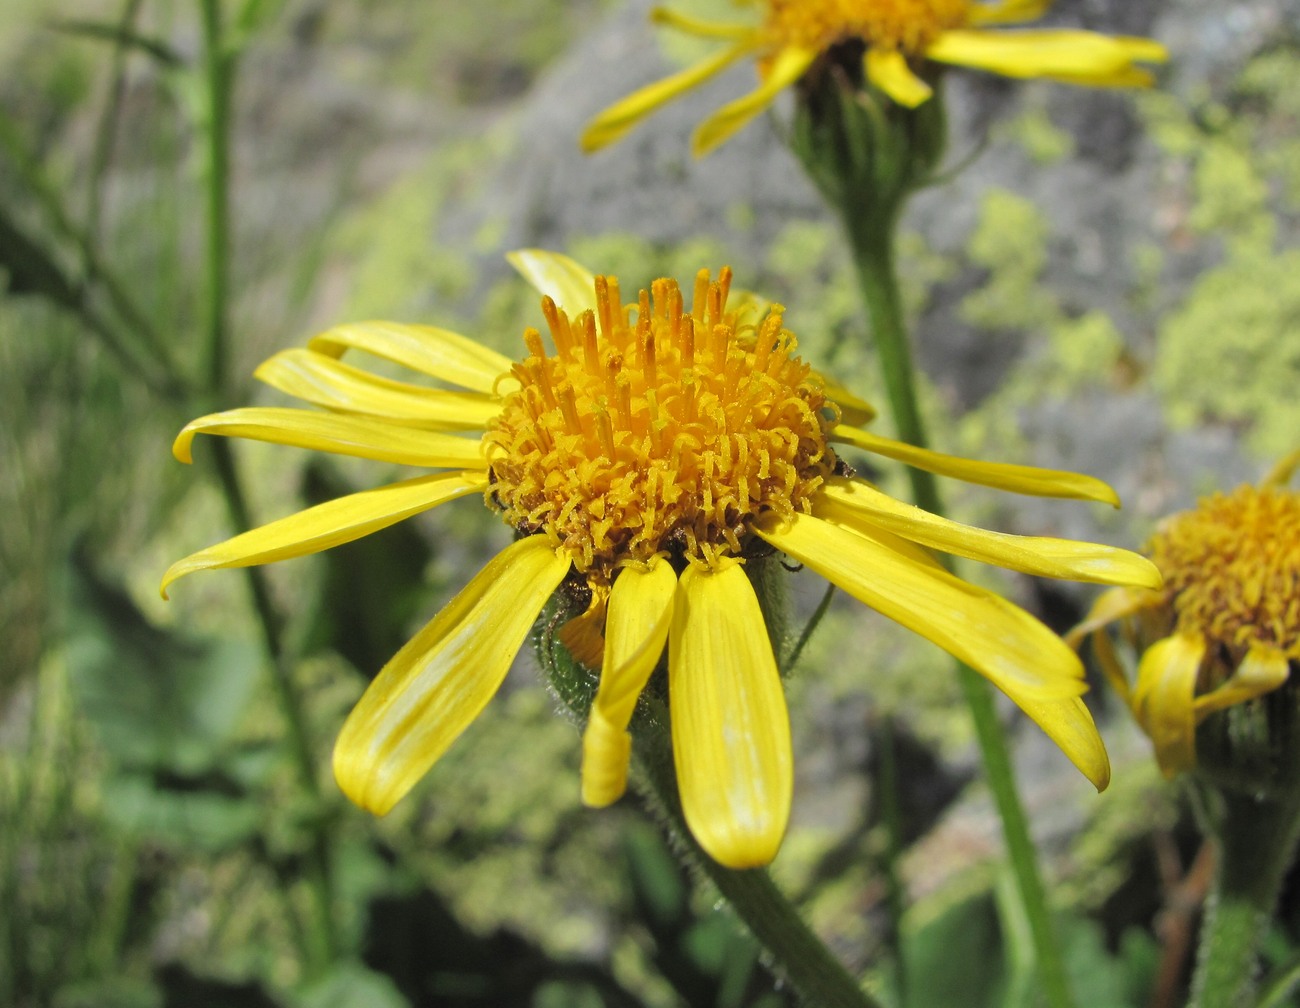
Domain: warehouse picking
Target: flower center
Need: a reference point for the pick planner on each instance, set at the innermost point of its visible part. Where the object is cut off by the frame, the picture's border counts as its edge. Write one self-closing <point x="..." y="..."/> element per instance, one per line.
<point x="657" y="430"/>
<point x="1232" y="568"/>
<point x="909" y="26"/>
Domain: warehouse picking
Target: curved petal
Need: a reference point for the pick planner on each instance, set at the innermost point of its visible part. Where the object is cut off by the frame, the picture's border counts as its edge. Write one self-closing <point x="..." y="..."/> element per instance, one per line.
<point x="620" y="118"/>
<point x="1016" y="652"/>
<point x="731" y="730"/>
<point x="1069" y="724"/>
<point x="1263" y="670"/>
<point x="636" y="626"/>
<point x="1109" y="607"/>
<point x="1020" y="479"/>
<point x="699" y="28"/>
<point x="861" y="507"/>
<point x="439" y="353"/>
<point x="337" y="434"/>
<point x="1008" y="11"/>
<point x="1282" y="472"/>
<point x="328" y="382"/>
<point x="565" y="281"/>
<point x="1163" y="699"/>
<point x="887" y="70"/>
<point x="330" y="524"/>
<point x="1075" y="56"/>
<point x="444" y="676"/>
<point x="788" y="66"/>
<point x="854" y="411"/>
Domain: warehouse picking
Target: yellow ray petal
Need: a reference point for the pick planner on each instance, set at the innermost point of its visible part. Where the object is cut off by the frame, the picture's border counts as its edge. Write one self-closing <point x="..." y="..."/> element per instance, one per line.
<point x="1069" y="724"/>
<point x="1008" y="11"/>
<point x="620" y="118"/>
<point x="1109" y="607"/>
<point x="854" y="411"/>
<point x="1263" y="670"/>
<point x="731" y="730"/>
<point x="330" y="524"/>
<point x="699" y="28"/>
<point x="1017" y="478"/>
<point x="1281" y="473"/>
<point x="565" y="281"/>
<point x="1073" y="55"/>
<point x="1016" y="652"/>
<point x="1163" y="699"/>
<point x="437" y="352"/>
<point x="444" y="676"/>
<point x="335" y="433"/>
<point x="640" y="612"/>
<point x="887" y="70"/>
<point x="860" y="506"/>
<point x="328" y="382"/>
<point x="788" y="66"/>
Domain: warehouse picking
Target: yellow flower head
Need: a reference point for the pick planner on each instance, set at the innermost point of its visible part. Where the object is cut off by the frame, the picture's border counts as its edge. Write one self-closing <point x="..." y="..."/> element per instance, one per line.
<point x="643" y="458"/>
<point x="1227" y="623"/>
<point x="894" y="40"/>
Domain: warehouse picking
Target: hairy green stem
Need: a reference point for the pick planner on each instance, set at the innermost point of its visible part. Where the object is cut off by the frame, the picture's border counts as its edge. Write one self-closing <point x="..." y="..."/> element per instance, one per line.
<point x="873" y="250"/>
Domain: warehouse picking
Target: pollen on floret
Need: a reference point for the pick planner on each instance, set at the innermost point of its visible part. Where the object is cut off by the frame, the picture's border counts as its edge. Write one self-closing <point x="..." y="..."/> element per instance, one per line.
<point x="908" y="26"/>
<point x="657" y="428"/>
<point x="1232" y="568"/>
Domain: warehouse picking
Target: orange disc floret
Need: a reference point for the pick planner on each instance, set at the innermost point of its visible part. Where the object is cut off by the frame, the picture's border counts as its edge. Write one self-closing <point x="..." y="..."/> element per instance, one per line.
<point x="908" y="26"/>
<point x="653" y="429"/>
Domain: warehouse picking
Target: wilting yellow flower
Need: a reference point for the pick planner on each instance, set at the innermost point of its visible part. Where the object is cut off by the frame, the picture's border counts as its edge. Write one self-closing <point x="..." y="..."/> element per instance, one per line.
<point x="1227" y="623"/>
<point x="894" y="39"/>
<point x="643" y="460"/>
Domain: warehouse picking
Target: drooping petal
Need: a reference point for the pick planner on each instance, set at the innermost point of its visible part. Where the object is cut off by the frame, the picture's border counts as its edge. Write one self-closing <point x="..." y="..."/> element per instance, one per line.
<point x="887" y="70"/>
<point x="1016" y="652"/>
<point x="439" y="353"/>
<point x="1263" y="670"/>
<point x="1003" y="475"/>
<point x="1110" y="606"/>
<point x="1282" y="472"/>
<point x="335" y="433"/>
<point x="326" y="381"/>
<point x="1069" y="724"/>
<point x="1007" y="11"/>
<point x="620" y="118"/>
<point x="854" y="411"/>
<point x="444" y="676"/>
<point x="1163" y="699"/>
<point x="698" y="27"/>
<point x="1076" y="56"/>
<point x="565" y="281"/>
<point x="858" y="505"/>
<point x="788" y="66"/>
<point x="636" y="626"/>
<point x="329" y="524"/>
<point x="731" y="730"/>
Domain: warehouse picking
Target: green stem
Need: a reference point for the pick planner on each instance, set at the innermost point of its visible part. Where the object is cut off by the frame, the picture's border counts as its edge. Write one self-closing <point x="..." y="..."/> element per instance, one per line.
<point x="216" y="138"/>
<point x="1256" y="844"/>
<point x="800" y="956"/>
<point x="872" y="241"/>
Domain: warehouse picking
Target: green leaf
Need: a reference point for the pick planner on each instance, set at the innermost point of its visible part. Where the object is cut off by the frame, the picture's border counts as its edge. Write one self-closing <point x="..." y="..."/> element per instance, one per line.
<point x="349" y="984"/>
<point x="198" y="819"/>
<point x="956" y="958"/>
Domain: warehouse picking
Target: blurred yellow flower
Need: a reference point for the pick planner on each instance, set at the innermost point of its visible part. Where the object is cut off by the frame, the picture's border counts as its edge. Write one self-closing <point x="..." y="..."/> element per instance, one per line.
<point x="1227" y="623"/>
<point x="892" y="39"/>
<point x="643" y="460"/>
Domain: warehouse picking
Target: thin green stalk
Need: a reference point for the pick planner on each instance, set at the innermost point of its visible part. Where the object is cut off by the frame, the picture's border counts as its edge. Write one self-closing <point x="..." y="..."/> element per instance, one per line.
<point x="216" y="139"/>
<point x="1256" y="844"/>
<point x="873" y="248"/>
<point x="891" y="815"/>
<point x="805" y="635"/>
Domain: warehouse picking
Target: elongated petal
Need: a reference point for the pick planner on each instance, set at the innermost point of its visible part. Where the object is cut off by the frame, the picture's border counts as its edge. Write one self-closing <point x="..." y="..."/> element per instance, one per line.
<point x="330" y="524"/>
<point x="1013" y="650"/>
<point x="1263" y="670"/>
<point x="620" y="118"/>
<point x="1072" y="55"/>
<point x="700" y="28"/>
<point x="860" y="506"/>
<point x="1109" y="607"/>
<point x="565" y="281"/>
<point x="636" y="626"/>
<point x="439" y="353"/>
<point x="731" y="730"/>
<point x="1163" y="699"/>
<point x="887" y="70"/>
<point x="340" y="435"/>
<point x="1008" y="11"/>
<point x="1281" y="473"/>
<point x="854" y="411"/>
<point x="1004" y="476"/>
<point x="789" y="65"/>
<point x="444" y="676"/>
<point x="1069" y="724"/>
<point x="328" y="382"/>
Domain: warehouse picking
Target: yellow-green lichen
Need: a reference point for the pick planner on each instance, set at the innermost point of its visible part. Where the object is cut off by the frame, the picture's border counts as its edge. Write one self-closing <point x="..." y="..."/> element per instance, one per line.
<point x="1010" y="241"/>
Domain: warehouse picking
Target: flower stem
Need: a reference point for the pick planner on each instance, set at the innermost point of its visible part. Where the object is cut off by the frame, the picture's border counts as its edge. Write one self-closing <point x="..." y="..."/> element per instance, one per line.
<point x="873" y="252"/>
<point x="1256" y="844"/>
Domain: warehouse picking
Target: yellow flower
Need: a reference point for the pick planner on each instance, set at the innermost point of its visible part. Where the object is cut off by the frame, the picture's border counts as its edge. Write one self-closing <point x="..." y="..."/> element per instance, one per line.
<point x="1227" y="623"/>
<point x="894" y="40"/>
<point x="642" y="460"/>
